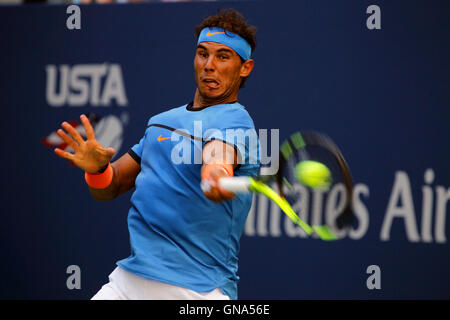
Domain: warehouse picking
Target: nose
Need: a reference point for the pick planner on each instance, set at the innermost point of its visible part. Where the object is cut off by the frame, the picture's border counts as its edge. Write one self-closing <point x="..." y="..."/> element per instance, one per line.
<point x="209" y="65"/>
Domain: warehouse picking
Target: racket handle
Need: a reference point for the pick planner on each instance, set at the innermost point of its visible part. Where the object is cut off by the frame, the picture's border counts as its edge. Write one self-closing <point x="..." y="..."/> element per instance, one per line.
<point x="236" y="184"/>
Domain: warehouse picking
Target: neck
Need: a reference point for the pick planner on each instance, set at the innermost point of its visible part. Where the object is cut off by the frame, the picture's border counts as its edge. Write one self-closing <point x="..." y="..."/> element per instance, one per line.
<point x="200" y="101"/>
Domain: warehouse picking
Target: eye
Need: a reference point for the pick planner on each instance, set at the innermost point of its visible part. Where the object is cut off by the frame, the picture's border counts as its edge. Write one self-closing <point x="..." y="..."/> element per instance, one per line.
<point x="223" y="57"/>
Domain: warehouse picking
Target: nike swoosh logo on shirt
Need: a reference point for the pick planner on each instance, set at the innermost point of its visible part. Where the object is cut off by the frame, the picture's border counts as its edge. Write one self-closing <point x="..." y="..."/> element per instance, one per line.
<point x="160" y="138"/>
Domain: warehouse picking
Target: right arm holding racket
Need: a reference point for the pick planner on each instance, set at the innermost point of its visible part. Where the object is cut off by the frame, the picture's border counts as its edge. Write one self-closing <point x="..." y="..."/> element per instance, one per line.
<point x="91" y="157"/>
<point x="219" y="161"/>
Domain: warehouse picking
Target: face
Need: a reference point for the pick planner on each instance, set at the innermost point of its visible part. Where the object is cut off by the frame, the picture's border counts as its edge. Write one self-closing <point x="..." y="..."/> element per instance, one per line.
<point x="218" y="72"/>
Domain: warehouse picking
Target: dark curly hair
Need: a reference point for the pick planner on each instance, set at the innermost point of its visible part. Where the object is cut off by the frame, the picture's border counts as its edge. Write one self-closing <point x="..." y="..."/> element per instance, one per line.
<point x="233" y="21"/>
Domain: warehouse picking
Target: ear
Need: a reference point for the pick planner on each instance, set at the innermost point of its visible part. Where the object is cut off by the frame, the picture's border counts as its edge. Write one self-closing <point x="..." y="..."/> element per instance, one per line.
<point x="247" y="67"/>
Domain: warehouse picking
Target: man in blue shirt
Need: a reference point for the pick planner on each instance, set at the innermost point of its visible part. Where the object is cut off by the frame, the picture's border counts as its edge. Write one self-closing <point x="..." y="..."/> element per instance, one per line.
<point x="184" y="241"/>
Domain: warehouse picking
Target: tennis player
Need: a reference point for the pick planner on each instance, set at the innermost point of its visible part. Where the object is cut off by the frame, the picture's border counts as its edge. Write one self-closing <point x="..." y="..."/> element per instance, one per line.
<point x="184" y="241"/>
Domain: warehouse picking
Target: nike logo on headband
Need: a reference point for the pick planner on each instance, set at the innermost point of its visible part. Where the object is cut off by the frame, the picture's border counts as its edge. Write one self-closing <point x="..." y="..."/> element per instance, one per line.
<point x="213" y="33"/>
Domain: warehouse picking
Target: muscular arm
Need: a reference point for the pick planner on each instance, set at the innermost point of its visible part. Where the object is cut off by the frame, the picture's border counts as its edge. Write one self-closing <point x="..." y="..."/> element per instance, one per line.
<point x="218" y="152"/>
<point x="125" y="171"/>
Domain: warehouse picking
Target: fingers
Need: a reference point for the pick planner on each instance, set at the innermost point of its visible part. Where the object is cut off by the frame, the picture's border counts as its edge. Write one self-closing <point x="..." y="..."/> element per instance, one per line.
<point x="64" y="154"/>
<point x="213" y="197"/>
<point x="110" y="151"/>
<point x="87" y="127"/>
<point x="67" y="139"/>
<point x="225" y="194"/>
<point x="216" y="193"/>
<point x="74" y="133"/>
<point x="210" y="190"/>
<point x="215" y="175"/>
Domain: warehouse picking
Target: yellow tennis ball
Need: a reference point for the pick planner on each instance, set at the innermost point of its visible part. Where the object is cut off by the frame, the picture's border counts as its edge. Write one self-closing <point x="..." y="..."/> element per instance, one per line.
<point x="313" y="174"/>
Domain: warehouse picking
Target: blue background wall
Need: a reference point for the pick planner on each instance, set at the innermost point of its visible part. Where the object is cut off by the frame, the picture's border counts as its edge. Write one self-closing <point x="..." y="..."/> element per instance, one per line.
<point x="383" y="95"/>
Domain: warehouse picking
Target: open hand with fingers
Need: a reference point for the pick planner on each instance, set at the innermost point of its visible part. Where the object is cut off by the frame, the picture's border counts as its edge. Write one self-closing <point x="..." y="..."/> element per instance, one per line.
<point x="89" y="155"/>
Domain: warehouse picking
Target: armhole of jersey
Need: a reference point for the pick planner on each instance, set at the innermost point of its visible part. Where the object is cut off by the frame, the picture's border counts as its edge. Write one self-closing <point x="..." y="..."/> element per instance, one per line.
<point x="134" y="156"/>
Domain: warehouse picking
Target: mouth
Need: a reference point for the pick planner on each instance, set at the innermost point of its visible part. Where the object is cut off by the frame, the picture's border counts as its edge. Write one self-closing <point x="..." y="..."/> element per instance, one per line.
<point x="210" y="83"/>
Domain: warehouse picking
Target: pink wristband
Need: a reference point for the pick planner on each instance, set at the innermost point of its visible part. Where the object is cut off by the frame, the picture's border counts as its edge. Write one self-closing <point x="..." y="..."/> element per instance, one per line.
<point x="100" y="181"/>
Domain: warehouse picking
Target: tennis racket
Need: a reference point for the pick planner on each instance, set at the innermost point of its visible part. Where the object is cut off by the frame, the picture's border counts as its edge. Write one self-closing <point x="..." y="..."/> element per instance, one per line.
<point x="302" y="146"/>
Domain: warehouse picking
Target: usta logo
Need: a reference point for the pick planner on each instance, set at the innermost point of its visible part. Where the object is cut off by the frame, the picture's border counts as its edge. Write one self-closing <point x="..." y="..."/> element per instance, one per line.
<point x="82" y="84"/>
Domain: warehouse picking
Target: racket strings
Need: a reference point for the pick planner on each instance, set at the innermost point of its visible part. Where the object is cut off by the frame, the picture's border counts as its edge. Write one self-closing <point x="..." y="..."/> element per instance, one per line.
<point x="315" y="146"/>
